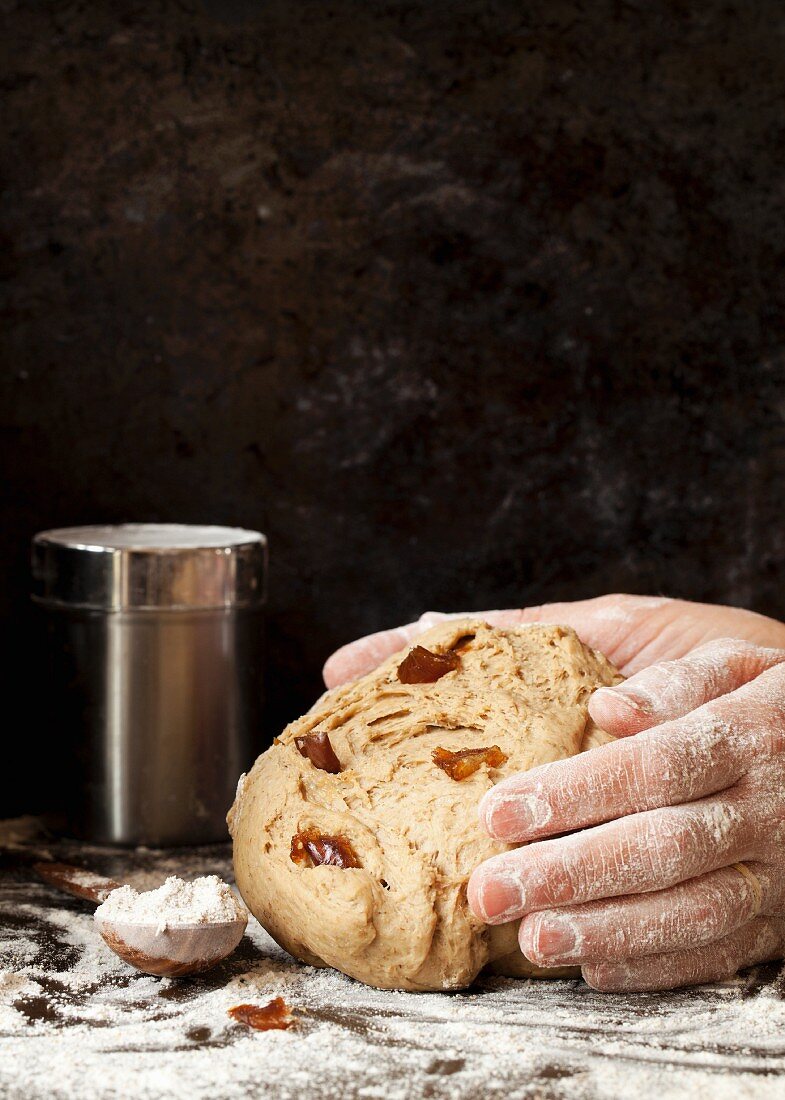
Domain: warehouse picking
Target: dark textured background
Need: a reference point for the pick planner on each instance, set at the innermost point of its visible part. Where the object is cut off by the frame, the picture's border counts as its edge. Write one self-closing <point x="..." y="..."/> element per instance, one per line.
<point x="464" y="304"/>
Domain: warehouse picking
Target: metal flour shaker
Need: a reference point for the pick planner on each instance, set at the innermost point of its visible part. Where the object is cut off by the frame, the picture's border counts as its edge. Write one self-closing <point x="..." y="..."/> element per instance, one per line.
<point x="154" y="639"/>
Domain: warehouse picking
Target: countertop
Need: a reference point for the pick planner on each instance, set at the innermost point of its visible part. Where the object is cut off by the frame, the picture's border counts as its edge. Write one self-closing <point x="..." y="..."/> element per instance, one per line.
<point x="75" y="1021"/>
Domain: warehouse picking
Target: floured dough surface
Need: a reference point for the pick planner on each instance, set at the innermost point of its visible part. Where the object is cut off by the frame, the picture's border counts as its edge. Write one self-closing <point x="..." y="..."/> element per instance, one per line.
<point x="401" y="919"/>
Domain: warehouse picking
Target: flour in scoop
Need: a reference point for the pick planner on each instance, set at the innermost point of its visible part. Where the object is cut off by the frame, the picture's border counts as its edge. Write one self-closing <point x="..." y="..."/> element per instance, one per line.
<point x="205" y="900"/>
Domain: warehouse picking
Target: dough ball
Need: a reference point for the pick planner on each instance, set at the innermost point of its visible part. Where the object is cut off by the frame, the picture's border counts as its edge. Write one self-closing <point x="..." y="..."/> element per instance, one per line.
<point x="400" y="835"/>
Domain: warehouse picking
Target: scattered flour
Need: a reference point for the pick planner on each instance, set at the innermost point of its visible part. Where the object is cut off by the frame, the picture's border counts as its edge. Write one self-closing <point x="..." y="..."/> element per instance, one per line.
<point x="205" y="900"/>
<point x="75" y="1021"/>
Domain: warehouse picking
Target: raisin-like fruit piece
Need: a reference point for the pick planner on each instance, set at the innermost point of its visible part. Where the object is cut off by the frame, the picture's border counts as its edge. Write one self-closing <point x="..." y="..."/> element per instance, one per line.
<point x="310" y="848"/>
<point x="420" y="666"/>
<point x="274" y="1016"/>
<point x="465" y="762"/>
<point x="316" y="747"/>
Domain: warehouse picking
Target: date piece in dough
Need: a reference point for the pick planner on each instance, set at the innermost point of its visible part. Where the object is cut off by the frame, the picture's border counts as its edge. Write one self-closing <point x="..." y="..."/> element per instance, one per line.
<point x="400" y="920"/>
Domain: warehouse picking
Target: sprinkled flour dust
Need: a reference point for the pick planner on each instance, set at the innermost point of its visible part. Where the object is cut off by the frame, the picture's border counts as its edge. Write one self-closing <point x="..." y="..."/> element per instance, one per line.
<point x="204" y="900"/>
<point x="75" y="1021"/>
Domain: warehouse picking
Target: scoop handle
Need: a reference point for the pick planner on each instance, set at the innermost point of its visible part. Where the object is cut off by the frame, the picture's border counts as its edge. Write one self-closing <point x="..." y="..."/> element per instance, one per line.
<point x="78" y="881"/>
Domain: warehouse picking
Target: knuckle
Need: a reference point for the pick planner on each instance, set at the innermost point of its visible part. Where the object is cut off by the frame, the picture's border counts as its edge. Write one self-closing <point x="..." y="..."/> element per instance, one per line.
<point x="718" y="824"/>
<point x="692" y="750"/>
<point x="662" y="851"/>
<point x="718" y="906"/>
<point x="674" y="768"/>
<point x="678" y="843"/>
<point x="555" y="880"/>
<point x="571" y="784"/>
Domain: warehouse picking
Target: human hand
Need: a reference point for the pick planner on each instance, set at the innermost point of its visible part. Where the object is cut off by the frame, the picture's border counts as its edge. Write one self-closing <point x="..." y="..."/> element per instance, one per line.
<point x="679" y="805"/>
<point x="632" y="631"/>
<point x="678" y="876"/>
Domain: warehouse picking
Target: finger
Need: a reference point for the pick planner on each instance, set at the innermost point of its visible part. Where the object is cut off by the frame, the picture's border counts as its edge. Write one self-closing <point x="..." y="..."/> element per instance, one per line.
<point x="672" y="689"/>
<point x="365" y="654"/>
<point x="759" y="941"/>
<point x="647" y="851"/>
<point x="618" y="625"/>
<point x="673" y="763"/>
<point x="604" y="623"/>
<point x="689" y="914"/>
<point x="676" y="762"/>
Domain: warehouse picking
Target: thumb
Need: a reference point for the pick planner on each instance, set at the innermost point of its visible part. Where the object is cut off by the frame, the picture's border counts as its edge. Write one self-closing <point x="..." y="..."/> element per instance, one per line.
<point x="365" y="654"/>
<point x="617" y="625"/>
<point x="671" y="689"/>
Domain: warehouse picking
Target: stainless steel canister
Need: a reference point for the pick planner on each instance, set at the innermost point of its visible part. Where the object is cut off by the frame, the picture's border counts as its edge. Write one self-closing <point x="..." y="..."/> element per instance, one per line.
<point x="155" y="674"/>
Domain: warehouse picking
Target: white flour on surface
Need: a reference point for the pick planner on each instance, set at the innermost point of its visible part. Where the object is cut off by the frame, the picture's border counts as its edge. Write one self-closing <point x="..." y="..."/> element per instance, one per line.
<point x="75" y="1021"/>
<point x="87" y="879"/>
<point x="205" y="900"/>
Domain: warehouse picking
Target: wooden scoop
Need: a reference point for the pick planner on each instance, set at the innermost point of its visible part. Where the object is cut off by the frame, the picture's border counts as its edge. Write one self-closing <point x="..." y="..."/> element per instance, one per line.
<point x="178" y="950"/>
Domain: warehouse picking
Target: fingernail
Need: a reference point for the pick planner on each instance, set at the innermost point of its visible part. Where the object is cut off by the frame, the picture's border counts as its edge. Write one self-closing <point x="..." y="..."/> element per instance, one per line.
<point x="499" y="897"/>
<point x="554" y="938"/>
<point x="514" y="816"/>
<point x="629" y="696"/>
<point x="607" y="977"/>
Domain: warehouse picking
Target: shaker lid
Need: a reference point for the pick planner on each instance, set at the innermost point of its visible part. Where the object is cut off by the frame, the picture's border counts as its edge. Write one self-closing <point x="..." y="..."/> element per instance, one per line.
<point x="147" y="566"/>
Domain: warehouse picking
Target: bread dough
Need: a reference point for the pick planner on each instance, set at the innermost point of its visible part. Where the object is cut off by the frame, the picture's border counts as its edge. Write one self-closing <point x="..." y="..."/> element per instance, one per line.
<point x="401" y="920"/>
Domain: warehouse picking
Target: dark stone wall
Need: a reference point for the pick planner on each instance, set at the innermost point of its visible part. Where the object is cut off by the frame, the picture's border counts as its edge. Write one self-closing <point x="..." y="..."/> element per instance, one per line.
<point x="465" y="305"/>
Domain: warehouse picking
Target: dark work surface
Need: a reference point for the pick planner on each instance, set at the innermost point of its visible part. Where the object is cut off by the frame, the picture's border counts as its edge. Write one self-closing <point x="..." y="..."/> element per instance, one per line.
<point x="464" y="305"/>
<point x="75" y="1021"/>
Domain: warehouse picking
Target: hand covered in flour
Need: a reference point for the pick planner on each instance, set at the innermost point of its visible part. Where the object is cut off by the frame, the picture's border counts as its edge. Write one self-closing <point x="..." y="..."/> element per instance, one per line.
<point x="632" y="631"/>
<point x="679" y="873"/>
